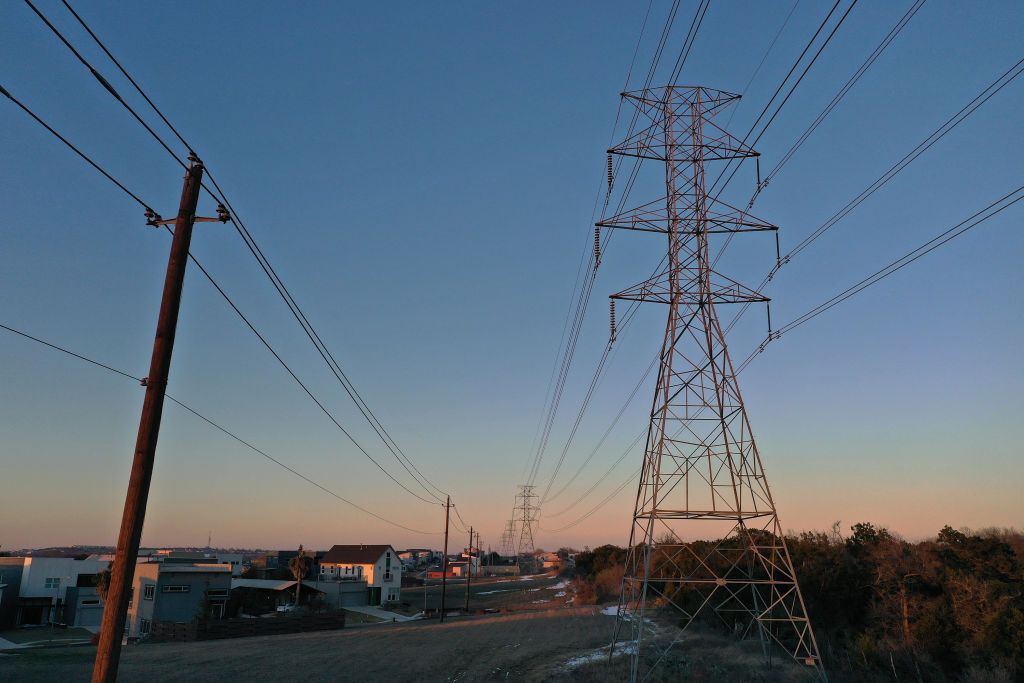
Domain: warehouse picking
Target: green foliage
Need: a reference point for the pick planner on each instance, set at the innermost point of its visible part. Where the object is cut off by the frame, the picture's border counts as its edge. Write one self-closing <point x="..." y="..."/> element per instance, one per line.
<point x="590" y="562"/>
<point x="950" y="609"/>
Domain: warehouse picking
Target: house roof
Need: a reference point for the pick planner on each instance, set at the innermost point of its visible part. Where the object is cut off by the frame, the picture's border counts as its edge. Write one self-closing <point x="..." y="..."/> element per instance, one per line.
<point x="270" y="584"/>
<point x="355" y="554"/>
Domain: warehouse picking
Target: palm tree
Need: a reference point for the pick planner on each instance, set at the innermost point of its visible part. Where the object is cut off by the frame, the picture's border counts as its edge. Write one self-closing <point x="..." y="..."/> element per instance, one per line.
<point x="103" y="582"/>
<point x="299" y="566"/>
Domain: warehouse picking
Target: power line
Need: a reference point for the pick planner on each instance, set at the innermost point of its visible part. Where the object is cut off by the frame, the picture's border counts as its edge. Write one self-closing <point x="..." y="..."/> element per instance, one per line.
<point x="836" y="99"/>
<point x="972" y="221"/>
<point x="74" y="149"/>
<point x="691" y="36"/>
<point x="608" y="431"/>
<point x="789" y="94"/>
<point x="220" y="290"/>
<point x="253" y="247"/>
<point x="764" y="57"/>
<point x="104" y="82"/>
<point x="586" y="289"/>
<point x="295" y="377"/>
<point x="217" y="426"/>
<point x="861" y="70"/>
<point x="895" y="169"/>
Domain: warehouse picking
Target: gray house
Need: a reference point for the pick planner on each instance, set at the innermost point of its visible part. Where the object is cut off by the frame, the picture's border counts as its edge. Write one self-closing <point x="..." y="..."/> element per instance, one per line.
<point x="177" y="593"/>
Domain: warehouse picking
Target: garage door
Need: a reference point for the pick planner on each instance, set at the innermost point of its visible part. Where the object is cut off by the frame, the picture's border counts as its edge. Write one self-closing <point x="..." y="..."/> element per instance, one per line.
<point x="89" y="616"/>
<point x="349" y="598"/>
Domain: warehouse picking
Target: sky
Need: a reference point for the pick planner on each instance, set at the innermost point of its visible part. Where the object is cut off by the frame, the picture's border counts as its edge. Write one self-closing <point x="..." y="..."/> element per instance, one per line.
<point x="423" y="177"/>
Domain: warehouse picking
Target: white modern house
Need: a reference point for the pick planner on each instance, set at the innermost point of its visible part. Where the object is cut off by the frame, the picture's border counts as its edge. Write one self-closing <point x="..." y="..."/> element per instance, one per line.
<point x="378" y="565"/>
<point x="39" y="590"/>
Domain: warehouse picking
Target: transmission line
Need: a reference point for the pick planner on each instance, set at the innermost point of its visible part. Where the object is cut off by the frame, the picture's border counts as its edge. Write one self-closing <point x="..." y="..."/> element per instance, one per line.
<point x="977" y="218"/>
<point x="944" y="129"/>
<point x="764" y="57"/>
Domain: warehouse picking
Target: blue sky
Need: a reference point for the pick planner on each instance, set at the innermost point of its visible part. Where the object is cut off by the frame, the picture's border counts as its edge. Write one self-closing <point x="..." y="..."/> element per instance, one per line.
<point x="422" y="175"/>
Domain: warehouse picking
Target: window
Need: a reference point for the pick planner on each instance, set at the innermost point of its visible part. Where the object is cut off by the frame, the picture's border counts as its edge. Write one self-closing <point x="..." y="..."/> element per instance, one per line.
<point x="217" y="593"/>
<point x="144" y="625"/>
<point x="177" y="589"/>
<point x="148" y="592"/>
<point x="52" y="582"/>
<point x="90" y="602"/>
<point x="391" y="596"/>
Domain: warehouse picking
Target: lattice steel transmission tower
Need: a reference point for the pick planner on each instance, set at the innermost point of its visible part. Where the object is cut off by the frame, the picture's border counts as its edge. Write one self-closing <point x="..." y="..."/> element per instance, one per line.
<point x="526" y="515"/>
<point x="508" y="540"/>
<point x="702" y="476"/>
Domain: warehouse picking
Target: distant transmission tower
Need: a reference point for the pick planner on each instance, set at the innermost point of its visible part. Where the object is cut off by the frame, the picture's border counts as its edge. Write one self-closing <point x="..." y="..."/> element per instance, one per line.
<point x="526" y="514"/>
<point x="702" y="475"/>
<point x="508" y="540"/>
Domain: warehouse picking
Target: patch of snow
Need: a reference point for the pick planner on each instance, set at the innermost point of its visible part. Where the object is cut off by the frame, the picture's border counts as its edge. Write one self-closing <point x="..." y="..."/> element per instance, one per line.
<point x="597" y="655"/>
<point x="561" y="584"/>
<point x="560" y="594"/>
<point x="613" y="610"/>
<point x="533" y="590"/>
<point x="500" y="590"/>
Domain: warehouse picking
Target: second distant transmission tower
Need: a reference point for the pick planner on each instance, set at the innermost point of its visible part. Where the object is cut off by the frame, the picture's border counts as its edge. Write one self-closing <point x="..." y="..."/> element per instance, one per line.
<point x="526" y="514"/>
<point x="508" y="540"/>
<point x="702" y="476"/>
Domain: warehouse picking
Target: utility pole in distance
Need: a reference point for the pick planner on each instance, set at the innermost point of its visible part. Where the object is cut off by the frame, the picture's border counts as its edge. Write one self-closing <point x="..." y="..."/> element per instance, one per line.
<point x="123" y="570"/>
<point x="444" y="558"/>
<point x="469" y="566"/>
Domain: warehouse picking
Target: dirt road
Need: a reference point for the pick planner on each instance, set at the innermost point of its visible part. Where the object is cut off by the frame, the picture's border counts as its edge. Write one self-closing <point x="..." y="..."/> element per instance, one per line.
<point x="513" y="647"/>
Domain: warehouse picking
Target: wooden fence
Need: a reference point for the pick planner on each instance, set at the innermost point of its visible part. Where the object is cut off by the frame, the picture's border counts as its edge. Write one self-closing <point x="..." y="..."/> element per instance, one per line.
<point x="163" y="631"/>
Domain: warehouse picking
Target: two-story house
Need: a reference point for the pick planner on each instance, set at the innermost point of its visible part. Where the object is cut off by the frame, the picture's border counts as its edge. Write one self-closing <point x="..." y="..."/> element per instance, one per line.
<point x="177" y="592"/>
<point x="378" y="565"/>
<point x="40" y="590"/>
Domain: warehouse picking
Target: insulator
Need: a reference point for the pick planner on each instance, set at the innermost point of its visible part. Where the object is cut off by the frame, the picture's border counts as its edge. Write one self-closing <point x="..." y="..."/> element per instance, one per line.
<point x="612" y="317"/>
<point x="597" y="246"/>
<point x="610" y="172"/>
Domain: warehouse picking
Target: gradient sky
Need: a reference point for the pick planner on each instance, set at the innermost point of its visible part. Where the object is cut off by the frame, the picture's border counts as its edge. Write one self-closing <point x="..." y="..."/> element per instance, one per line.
<point x="422" y="175"/>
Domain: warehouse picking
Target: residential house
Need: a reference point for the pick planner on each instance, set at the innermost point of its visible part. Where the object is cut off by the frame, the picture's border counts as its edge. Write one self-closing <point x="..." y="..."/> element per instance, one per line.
<point x="378" y="565"/>
<point x="208" y="557"/>
<point x="176" y="592"/>
<point x="41" y="590"/>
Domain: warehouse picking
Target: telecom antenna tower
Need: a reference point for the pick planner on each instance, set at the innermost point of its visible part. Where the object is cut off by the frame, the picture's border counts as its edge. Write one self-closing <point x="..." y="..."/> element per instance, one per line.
<point x="702" y="476"/>
<point x="526" y="515"/>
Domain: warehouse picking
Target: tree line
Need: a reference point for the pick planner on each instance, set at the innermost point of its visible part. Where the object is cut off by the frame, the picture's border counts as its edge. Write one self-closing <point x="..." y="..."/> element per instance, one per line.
<point x="946" y="608"/>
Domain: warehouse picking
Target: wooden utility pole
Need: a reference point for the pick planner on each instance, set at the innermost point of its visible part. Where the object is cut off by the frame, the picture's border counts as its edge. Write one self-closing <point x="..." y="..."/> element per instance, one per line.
<point x="123" y="570"/>
<point x="469" y="567"/>
<point x="444" y="558"/>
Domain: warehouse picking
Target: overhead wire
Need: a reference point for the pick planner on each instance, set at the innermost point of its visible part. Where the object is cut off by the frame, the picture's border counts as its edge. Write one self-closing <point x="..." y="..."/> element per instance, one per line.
<point x="217" y="426"/>
<point x="219" y="289"/>
<point x="760" y="65"/>
<point x="974" y="220"/>
<point x="586" y="290"/>
<point x="947" y="126"/>
<point x="250" y="243"/>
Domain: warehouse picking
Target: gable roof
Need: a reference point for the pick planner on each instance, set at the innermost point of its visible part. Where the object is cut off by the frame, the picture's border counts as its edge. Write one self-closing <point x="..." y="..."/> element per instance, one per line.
<point x="355" y="554"/>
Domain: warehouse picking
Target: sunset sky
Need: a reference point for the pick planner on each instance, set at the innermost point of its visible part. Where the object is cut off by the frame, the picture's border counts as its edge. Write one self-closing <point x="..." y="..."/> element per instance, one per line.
<point x="423" y="176"/>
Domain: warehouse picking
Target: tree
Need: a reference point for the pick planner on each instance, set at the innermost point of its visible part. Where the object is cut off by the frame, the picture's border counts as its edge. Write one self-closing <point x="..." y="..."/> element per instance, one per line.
<point x="103" y="582"/>
<point x="299" y="566"/>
